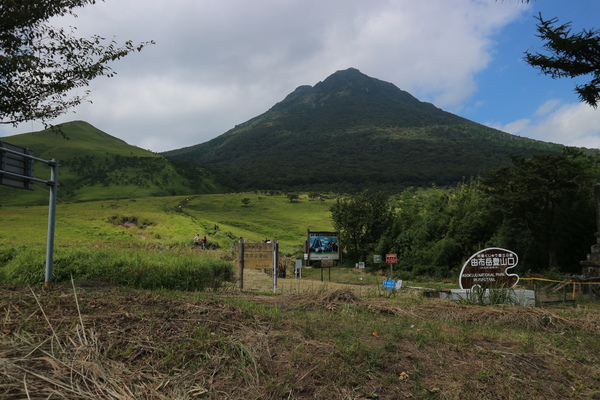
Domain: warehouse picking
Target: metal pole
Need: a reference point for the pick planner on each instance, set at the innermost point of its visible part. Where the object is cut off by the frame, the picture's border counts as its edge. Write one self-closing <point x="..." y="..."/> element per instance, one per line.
<point x="53" y="183"/>
<point x="241" y="263"/>
<point x="275" y="260"/>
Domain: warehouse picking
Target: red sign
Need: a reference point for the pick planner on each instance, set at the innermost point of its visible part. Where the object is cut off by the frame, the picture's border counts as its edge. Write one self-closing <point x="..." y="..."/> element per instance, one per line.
<point x="391" y="258"/>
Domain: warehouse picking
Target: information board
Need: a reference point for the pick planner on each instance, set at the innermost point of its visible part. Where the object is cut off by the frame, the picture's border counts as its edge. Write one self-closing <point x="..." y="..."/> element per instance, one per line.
<point x="488" y="269"/>
<point x="391" y="258"/>
<point x="323" y="245"/>
<point x="258" y="255"/>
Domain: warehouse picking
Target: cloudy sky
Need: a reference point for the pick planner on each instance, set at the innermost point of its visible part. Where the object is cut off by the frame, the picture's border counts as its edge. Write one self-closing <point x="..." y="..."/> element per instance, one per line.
<point x="218" y="63"/>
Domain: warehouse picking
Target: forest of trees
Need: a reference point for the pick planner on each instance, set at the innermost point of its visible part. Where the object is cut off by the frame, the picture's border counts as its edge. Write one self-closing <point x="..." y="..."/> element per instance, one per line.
<point x="542" y="208"/>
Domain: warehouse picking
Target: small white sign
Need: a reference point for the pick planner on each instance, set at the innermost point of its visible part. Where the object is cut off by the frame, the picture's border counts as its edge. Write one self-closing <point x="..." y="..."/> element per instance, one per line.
<point x="361" y="265"/>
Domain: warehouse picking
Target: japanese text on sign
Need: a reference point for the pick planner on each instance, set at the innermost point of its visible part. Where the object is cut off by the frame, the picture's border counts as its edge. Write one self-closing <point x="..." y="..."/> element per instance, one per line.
<point x="488" y="269"/>
<point x="258" y="255"/>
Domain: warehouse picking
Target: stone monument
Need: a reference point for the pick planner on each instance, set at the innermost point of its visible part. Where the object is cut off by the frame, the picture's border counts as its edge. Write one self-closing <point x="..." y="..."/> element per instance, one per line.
<point x="591" y="266"/>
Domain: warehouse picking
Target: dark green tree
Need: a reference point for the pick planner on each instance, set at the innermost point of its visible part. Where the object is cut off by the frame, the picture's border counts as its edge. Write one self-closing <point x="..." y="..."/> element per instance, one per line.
<point x="293" y="197"/>
<point x="546" y="207"/>
<point x="570" y="55"/>
<point x="40" y="64"/>
<point x="361" y="220"/>
<point x="436" y="230"/>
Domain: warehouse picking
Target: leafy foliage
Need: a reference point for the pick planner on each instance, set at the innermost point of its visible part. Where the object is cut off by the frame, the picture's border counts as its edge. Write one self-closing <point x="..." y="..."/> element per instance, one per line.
<point x="435" y="230"/>
<point x="545" y="204"/>
<point x="126" y="267"/>
<point x="542" y="208"/>
<point x="361" y="220"/>
<point x="571" y="55"/>
<point x="39" y="63"/>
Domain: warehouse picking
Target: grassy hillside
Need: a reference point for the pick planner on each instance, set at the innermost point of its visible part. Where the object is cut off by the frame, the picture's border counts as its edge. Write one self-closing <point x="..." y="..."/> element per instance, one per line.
<point x="169" y="221"/>
<point x="97" y="166"/>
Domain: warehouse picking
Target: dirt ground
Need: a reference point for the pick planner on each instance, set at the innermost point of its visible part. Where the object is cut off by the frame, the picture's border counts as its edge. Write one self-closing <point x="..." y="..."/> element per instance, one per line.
<point x="90" y="340"/>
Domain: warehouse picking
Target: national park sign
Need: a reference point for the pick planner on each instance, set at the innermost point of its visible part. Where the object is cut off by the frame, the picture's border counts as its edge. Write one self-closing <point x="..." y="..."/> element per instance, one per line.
<point x="488" y="269"/>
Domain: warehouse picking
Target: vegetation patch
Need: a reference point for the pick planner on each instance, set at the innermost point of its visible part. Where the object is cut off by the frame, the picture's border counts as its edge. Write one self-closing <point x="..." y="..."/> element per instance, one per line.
<point x="138" y="268"/>
<point x="129" y="221"/>
<point x="92" y="340"/>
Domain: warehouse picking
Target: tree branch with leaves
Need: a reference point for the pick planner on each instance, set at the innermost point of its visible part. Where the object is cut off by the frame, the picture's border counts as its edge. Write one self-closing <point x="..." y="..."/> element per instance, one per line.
<point x="571" y="55"/>
<point x="41" y="64"/>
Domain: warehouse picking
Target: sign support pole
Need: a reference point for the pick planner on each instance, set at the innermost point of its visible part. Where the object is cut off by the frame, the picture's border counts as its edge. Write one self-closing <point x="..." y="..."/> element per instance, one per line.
<point x="241" y="263"/>
<point x="275" y="261"/>
<point x="53" y="183"/>
<point x="17" y="171"/>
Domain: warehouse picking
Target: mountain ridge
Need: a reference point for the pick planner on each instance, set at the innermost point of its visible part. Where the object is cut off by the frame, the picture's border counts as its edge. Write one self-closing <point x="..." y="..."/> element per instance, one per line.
<point x="94" y="165"/>
<point x="350" y="120"/>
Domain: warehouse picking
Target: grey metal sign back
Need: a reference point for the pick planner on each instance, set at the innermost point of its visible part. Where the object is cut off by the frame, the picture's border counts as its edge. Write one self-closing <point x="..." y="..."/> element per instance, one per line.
<point x="16" y="166"/>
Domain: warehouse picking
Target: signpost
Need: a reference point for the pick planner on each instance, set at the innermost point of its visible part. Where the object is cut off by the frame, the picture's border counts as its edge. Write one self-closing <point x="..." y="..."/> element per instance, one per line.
<point x="389" y="284"/>
<point x="361" y="266"/>
<point x="323" y="246"/>
<point x="488" y="269"/>
<point x="16" y="170"/>
<point x="391" y="259"/>
<point x="258" y="256"/>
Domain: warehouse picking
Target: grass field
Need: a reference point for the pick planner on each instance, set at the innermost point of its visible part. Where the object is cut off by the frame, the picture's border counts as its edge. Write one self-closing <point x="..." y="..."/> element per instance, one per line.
<point x="170" y="221"/>
<point x="118" y="237"/>
<point x="334" y="334"/>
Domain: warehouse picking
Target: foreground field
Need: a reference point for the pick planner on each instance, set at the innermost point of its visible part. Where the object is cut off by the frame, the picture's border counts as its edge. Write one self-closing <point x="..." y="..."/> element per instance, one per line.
<point x="313" y="340"/>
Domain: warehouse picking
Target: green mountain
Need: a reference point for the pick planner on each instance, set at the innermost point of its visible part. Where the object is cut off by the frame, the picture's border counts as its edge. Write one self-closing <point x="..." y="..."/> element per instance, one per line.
<point x="97" y="166"/>
<point x="352" y="132"/>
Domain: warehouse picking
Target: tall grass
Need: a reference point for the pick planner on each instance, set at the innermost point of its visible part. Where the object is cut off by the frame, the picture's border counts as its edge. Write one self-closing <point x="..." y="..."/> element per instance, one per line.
<point x="138" y="268"/>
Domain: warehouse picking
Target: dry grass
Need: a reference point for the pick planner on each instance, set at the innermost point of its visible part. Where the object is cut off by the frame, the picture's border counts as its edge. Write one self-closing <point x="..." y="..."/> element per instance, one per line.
<point x="312" y="341"/>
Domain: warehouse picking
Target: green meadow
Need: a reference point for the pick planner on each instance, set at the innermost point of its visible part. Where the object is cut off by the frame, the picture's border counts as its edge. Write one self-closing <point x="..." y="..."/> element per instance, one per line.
<point x="170" y="221"/>
<point x="144" y="242"/>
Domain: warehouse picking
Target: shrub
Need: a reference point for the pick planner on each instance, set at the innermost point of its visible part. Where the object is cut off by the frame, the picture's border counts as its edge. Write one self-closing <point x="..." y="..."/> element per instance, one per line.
<point x="127" y="267"/>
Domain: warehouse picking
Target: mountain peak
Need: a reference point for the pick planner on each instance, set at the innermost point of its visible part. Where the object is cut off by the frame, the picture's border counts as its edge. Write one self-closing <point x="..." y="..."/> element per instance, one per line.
<point x="363" y="100"/>
<point x="350" y="132"/>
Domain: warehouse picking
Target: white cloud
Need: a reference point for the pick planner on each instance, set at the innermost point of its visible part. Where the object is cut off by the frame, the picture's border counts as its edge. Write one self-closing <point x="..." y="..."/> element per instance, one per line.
<point x="515" y="127"/>
<point x="217" y="64"/>
<point x="547" y="107"/>
<point x="574" y="124"/>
